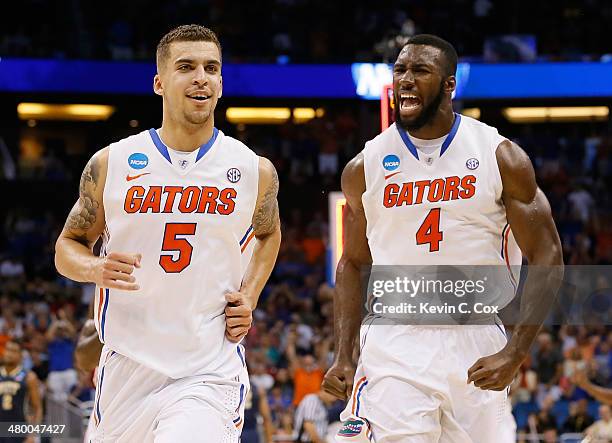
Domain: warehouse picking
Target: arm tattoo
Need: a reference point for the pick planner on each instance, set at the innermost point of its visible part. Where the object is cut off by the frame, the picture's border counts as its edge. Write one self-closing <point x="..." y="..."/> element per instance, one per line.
<point x="83" y="215"/>
<point x="266" y="217"/>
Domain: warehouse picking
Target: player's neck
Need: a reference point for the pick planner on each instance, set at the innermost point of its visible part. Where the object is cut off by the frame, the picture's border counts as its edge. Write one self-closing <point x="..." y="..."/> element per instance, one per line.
<point x="438" y="127"/>
<point x="186" y="138"/>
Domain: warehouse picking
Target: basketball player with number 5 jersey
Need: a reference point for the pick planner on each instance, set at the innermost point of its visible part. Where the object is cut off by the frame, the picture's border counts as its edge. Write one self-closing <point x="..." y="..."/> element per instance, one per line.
<point x="436" y="188"/>
<point x="190" y="233"/>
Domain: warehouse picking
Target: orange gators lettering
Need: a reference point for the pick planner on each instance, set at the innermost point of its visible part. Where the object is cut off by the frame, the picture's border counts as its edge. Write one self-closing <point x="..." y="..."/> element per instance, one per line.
<point x="227" y="197"/>
<point x="467" y="183"/>
<point x="391" y="191"/>
<point x="405" y="197"/>
<point x="420" y="185"/>
<point x="152" y="200"/>
<point x="451" y="190"/>
<point x="204" y="199"/>
<point x="436" y="188"/>
<point x="439" y="189"/>
<point x="171" y="191"/>
<point x="208" y="201"/>
<point x="133" y="199"/>
<point x="189" y="199"/>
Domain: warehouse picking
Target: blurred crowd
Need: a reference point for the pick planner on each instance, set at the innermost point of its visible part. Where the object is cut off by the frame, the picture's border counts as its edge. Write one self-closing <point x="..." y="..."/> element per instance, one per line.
<point x="290" y="345"/>
<point x="303" y="31"/>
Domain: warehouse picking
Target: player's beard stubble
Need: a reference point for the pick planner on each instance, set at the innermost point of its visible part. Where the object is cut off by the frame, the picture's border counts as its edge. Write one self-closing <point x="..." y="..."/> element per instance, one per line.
<point x="426" y="115"/>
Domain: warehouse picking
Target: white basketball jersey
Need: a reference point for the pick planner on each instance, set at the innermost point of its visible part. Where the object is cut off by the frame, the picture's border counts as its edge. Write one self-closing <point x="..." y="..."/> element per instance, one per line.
<point x="191" y="221"/>
<point x="439" y="209"/>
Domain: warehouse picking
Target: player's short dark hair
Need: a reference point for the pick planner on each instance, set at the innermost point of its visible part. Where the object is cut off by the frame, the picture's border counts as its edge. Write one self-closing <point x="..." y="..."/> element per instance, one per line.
<point x="184" y="33"/>
<point x="448" y="50"/>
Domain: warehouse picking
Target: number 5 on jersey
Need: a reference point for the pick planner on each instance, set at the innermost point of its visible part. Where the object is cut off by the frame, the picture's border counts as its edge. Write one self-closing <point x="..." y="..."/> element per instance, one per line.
<point x="171" y="243"/>
<point x="429" y="232"/>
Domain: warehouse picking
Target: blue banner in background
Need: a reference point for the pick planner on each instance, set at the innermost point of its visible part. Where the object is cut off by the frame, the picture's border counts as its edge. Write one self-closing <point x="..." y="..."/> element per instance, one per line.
<point x="359" y="80"/>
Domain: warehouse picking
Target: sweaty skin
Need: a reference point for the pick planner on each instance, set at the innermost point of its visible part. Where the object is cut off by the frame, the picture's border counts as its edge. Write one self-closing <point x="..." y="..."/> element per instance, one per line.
<point x="192" y="68"/>
<point x="419" y="71"/>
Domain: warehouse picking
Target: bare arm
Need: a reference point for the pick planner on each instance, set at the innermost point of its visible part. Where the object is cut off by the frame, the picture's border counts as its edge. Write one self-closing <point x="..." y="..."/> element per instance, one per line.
<point x="311" y="430"/>
<point x="34" y="395"/>
<point x="348" y="294"/>
<point x="88" y="348"/>
<point x="291" y="354"/>
<point x="74" y="256"/>
<point x="530" y="219"/>
<point x="264" y="410"/>
<point x="266" y="227"/>
<point x="600" y="394"/>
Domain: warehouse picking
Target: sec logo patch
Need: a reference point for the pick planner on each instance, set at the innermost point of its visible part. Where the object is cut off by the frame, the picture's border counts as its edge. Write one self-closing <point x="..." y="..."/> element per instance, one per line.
<point x="233" y="175"/>
<point x="472" y="164"/>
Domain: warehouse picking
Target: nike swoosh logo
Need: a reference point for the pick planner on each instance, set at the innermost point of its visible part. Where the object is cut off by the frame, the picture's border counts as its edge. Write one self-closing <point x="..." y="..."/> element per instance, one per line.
<point x="391" y="175"/>
<point x="134" y="177"/>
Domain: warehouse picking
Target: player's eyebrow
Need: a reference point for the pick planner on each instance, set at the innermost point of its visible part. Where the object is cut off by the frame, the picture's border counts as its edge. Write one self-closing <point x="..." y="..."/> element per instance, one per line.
<point x="192" y="61"/>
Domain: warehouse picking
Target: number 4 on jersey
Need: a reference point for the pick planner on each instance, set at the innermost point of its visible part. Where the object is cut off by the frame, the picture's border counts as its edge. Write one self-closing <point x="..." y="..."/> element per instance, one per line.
<point x="429" y="232"/>
<point x="170" y="243"/>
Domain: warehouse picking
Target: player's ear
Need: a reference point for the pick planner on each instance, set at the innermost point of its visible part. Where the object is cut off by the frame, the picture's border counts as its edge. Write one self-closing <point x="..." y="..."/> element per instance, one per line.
<point x="220" y="87"/>
<point x="450" y="84"/>
<point x="157" y="85"/>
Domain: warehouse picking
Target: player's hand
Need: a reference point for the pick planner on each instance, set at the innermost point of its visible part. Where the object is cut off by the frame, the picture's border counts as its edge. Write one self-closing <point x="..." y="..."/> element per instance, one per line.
<point x="115" y="271"/>
<point x="238" y="316"/>
<point x="495" y="372"/>
<point x="338" y="380"/>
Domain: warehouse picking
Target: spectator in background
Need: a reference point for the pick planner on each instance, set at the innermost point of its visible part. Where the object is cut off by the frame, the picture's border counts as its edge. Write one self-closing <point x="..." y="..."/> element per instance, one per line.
<point x="307" y="371"/>
<point x="256" y="406"/>
<point x="546" y="419"/>
<point x="579" y="418"/>
<point x="83" y="391"/>
<point x="549" y="367"/>
<point x="61" y="338"/>
<point x="601" y="430"/>
<point x="311" y="419"/>
<point x="284" y="432"/>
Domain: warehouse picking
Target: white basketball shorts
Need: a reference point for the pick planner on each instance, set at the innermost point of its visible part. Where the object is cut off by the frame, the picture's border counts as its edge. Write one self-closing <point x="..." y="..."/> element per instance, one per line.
<point x="411" y="386"/>
<point x="136" y="404"/>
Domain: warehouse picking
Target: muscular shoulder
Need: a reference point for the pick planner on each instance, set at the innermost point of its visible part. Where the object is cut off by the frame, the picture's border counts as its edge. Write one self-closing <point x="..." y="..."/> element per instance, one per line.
<point x="516" y="170"/>
<point x="267" y="174"/>
<point x="266" y="218"/>
<point x="353" y="179"/>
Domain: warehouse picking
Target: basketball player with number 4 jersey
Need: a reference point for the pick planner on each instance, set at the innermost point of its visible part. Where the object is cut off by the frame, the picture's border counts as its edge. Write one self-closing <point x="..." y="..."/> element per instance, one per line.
<point x="190" y="228"/>
<point x="436" y="188"/>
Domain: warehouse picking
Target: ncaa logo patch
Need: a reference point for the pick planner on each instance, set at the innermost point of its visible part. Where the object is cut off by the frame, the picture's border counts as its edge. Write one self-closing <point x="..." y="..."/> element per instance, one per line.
<point x="391" y="162"/>
<point x="233" y="175"/>
<point x="472" y="164"/>
<point x="138" y="160"/>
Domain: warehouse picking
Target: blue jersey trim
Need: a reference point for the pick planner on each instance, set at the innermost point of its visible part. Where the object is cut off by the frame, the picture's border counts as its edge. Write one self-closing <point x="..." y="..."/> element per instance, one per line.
<point x="451" y="134"/>
<point x="104" y="312"/>
<point x="359" y="398"/>
<point x="163" y="149"/>
<point x="408" y="142"/>
<point x="449" y="138"/>
<point x="246" y="234"/>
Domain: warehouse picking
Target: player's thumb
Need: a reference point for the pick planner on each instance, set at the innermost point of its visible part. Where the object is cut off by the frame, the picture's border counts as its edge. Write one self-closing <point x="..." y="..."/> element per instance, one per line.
<point x="233" y="297"/>
<point x="138" y="258"/>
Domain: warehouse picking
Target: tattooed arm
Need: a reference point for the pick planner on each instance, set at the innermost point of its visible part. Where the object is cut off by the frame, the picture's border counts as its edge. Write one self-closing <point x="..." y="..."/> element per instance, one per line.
<point x="266" y="226"/>
<point x="74" y="256"/>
